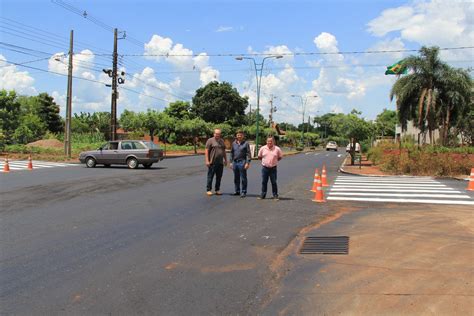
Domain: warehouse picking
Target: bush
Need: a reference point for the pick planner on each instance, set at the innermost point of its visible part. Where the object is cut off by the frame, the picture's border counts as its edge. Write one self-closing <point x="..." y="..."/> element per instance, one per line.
<point x="407" y="158"/>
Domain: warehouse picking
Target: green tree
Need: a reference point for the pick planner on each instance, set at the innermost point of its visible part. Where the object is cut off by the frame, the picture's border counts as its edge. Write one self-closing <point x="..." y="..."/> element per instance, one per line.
<point x="417" y="93"/>
<point x="287" y="126"/>
<point x="220" y="103"/>
<point x="9" y="114"/>
<point x="81" y="123"/>
<point x="455" y="96"/>
<point x="251" y="119"/>
<point x="180" y="110"/>
<point x="150" y="122"/>
<point x="323" y="124"/>
<point x="129" y="120"/>
<point x="166" y="126"/>
<point x="352" y="128"/>
<point x="48" y="111"/>
<point x="31" y="128"/>
<point x="195" y="128"/>
<point x="385" y="123"/>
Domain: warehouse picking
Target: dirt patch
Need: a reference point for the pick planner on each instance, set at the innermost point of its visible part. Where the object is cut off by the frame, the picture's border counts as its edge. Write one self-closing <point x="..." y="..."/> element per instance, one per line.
<point x="46" y="143"/>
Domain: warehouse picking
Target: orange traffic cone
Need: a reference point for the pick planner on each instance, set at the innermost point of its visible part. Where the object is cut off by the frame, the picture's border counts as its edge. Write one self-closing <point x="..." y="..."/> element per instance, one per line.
<point x="319" y="195"/>
<point x="324" y="180"/>
<point x="30" y="163"/>
<point x="470" y="186"/>
<point x="6" y="166"/>
<point x="315" y="181"/>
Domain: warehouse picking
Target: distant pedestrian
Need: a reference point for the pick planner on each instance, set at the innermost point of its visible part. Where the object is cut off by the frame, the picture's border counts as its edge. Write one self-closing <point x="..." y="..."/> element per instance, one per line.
<point x="216" y="159"/>
<point x="240" y="161"/>
<point x="270" y="155"/>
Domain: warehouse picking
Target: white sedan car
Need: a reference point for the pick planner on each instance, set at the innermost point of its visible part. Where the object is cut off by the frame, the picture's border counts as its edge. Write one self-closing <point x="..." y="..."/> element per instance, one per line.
<point x="331" y="145"/>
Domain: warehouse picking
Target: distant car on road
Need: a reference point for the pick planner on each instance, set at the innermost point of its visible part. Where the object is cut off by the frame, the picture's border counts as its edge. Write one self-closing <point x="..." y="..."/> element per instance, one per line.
<point x="125" y="152"/>
<point x="357" y="148"/>
<point x="331" y="145"/>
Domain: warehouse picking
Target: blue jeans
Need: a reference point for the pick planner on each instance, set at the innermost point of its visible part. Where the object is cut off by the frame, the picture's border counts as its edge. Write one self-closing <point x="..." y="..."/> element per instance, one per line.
<point x="272" y="174"/>
<point x="240" y="172"/>
<point x="217" y="170"/>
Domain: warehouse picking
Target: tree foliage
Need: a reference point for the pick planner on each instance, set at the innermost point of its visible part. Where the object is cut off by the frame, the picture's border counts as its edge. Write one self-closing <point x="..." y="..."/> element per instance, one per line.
<point x="220" y="103"/>
<point x="386" y="122"/>
<point x="433" y="95"/>
<point x="179" y="110"/>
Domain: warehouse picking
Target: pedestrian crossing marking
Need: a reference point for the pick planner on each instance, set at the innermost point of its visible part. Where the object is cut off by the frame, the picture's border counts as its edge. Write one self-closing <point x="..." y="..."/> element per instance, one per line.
<point x="401" y="200"/>
<point x="37" y="164"/>
<point x="393" y="189"/>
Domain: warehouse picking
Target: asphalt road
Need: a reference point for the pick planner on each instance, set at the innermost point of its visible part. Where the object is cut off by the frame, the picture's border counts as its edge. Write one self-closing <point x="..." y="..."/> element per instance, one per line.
<point x="119" y="241"/>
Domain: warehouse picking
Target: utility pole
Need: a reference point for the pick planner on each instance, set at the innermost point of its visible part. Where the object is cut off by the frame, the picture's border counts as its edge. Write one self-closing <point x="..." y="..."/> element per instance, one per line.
<point x="113" y="111"/>
<point x="273" y="109"/>
<point x="67" y="128"/>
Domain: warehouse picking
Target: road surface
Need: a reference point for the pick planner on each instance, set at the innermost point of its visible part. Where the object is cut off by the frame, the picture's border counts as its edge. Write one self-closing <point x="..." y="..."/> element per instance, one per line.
<point x="119" y="241"/>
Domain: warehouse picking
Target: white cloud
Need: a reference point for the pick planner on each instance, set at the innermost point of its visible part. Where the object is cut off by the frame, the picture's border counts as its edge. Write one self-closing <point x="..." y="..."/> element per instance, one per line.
<point x="162" y="49"/>
<point x="391" y="20"/>
<point x="332" y="81"/>
<point x="208" y="74"/>
<point x="224" y="29"/>
<point x="12" y="79"/>
<point x="81" y="62"/>
<point x="327" y="43"/>
<point x="384" y="45"/>
<point x="436" y="22"/>
<point x="281" y="50"/>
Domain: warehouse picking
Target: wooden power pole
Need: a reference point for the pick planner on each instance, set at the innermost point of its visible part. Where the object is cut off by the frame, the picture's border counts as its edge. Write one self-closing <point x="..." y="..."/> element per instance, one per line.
<point x="113" y="116"/>
<point x="67" y="129"/>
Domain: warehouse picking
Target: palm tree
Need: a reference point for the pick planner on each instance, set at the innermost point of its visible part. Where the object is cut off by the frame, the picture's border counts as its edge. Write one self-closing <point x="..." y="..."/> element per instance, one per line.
<point x="455" y="99"/>
<point x="417" y="93"/>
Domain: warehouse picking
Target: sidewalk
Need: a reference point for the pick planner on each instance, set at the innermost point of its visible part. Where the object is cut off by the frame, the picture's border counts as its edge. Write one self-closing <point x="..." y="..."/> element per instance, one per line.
<point x="403" y="260"/>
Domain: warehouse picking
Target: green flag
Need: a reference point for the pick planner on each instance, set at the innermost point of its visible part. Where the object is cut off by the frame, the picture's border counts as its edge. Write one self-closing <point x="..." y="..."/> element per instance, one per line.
<point x="395" y="69"/>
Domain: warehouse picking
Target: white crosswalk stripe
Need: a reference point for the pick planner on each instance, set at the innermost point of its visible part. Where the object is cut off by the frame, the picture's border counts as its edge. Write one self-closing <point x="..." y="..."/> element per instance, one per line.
<point x="23" y="165"/>
<point x="396" y="189"/>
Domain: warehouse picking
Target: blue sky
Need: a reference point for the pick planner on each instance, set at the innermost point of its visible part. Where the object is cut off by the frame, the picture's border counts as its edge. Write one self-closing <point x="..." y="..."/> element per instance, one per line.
<point x="39" y="29"/>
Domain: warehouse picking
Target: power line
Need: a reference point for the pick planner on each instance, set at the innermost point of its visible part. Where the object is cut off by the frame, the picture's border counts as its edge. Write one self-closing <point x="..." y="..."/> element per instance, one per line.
<point x="25" y="48"/>
<point x="80" y="78"/>
<point x="147" y="95"/>
<point x="161" y="89"/>
<point x="295" y="54"/>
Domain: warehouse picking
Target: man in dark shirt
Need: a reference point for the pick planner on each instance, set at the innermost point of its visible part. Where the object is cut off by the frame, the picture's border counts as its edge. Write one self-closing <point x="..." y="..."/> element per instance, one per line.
<point x="240" y="162"/>
<point x="216" y="159"/>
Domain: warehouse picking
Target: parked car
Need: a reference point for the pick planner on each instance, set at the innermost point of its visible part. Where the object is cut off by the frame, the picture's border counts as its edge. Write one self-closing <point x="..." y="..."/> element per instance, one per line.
<point x="125" y="152"/>
<point x="331" y="145"/>
<point x="357" y="148"/>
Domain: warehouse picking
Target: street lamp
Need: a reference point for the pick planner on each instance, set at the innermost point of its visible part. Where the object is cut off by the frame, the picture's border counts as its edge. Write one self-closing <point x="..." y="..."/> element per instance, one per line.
<point x="258" y="76"/>
<point x="303" y="105"/>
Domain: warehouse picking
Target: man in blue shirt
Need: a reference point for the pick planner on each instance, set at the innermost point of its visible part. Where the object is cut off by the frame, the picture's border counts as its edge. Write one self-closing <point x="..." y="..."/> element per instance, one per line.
<point x="240" y="161"/>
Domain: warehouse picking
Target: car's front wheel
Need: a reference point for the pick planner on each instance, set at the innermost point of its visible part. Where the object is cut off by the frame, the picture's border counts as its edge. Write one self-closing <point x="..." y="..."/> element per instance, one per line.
<point x="132" y="163"/>
<point x="90" y="162"/>
<point x="147" y="165"/>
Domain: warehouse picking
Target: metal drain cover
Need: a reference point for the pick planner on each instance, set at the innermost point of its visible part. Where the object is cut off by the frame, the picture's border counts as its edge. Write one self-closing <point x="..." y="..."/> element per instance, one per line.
<point x="335" y="245"/>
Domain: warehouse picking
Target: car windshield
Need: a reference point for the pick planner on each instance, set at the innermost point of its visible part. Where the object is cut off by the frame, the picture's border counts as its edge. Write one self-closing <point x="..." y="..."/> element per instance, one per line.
<point x="151" y="145"/>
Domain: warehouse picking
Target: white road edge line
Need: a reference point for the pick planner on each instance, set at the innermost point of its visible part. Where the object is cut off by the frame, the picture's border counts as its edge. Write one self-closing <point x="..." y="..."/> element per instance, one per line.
<point x="388" y="187"/>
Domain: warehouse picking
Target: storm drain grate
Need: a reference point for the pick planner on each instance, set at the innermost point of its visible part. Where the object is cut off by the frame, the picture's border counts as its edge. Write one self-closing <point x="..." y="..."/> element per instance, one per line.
<point x="336" y="245"/>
